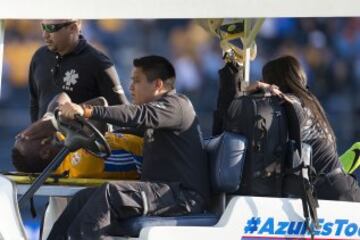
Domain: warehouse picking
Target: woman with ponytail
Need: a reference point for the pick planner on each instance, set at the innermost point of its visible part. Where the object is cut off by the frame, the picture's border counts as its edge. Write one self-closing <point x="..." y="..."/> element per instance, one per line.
<point x="285" y="77"/>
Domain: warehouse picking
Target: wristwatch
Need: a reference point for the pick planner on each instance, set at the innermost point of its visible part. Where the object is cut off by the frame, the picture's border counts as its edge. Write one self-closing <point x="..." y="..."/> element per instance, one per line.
<point x="88" y="109"/>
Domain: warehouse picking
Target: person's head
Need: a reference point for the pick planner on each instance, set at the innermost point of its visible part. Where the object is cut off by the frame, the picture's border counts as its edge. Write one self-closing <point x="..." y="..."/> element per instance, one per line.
<point x="33" y="153"/>
<point x="287" y="73"/>
<point x="61" y="35"/>
<point x="152" y="76"/>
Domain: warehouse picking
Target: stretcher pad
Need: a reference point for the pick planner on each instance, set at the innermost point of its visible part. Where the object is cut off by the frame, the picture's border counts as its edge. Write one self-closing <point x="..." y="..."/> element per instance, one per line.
<point x="23" y="178"/>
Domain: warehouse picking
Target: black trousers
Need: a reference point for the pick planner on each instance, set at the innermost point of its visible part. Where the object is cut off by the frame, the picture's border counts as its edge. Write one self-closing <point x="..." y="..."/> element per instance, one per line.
<point x="94" y="212"/>
<point x="341" y="187"/>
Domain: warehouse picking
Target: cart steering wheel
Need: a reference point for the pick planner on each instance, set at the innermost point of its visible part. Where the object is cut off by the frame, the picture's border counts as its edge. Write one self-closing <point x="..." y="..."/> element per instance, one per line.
<point x="80" y="133"/>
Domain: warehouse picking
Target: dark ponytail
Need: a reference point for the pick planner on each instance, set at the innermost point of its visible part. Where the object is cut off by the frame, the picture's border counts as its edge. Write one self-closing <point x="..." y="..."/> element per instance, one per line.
<point x="287" y="73"/>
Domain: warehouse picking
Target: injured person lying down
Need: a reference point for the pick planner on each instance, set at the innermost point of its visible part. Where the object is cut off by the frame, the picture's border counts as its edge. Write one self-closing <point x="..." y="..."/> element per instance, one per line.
<point x="37" y="145"/>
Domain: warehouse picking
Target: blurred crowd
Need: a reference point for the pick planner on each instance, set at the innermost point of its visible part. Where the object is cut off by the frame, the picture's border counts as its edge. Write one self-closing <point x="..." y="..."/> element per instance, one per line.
<point x="329" y="48"/>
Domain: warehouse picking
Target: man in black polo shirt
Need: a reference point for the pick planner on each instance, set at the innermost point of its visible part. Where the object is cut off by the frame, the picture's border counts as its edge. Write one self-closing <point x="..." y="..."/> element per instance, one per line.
<point x="174" y="177"/>
<point x="69" y="64"/>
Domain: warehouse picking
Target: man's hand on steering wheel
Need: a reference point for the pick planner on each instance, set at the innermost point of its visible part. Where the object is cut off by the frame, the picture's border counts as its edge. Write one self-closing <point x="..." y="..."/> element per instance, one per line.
<point x="69" y="110"/>
<point x="79" y="132"/>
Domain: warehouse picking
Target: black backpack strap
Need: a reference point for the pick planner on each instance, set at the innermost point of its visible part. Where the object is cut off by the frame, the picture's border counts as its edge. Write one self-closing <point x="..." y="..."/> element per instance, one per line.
<point x="310" y="204"/>
<point x="309" y="200"/>
<point x="293" y="125"/>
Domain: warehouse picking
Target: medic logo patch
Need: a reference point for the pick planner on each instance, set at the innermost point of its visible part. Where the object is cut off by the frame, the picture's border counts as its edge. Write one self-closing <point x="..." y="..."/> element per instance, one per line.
<point x="70" y="80"/>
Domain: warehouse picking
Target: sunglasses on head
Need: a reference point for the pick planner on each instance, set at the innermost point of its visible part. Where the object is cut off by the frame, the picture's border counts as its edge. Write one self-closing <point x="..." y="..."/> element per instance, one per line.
<point x="54" y="27"/>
